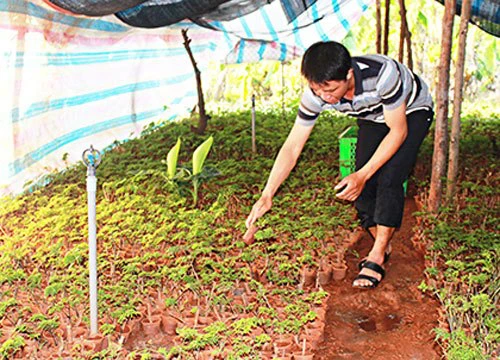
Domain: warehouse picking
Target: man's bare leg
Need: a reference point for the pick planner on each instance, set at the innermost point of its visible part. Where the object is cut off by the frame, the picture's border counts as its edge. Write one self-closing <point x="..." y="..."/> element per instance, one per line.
<point x="383" y="236"/>
<point x="373" y="232"/>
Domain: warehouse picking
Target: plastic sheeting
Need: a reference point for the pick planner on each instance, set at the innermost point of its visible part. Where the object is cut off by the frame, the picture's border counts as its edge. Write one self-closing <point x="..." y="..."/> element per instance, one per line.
<point x="71" y="81"/>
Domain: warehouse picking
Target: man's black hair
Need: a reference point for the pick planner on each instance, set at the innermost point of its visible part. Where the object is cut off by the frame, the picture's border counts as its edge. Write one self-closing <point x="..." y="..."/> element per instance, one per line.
<point x="326" y="61"/>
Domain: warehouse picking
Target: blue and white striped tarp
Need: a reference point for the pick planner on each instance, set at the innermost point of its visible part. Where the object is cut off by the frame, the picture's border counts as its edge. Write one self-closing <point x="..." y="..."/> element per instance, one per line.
<point x="71" y="81"/>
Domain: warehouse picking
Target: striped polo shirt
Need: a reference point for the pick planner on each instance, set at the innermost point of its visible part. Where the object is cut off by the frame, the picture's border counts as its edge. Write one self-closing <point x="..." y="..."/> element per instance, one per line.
<point x="381" y="83"/>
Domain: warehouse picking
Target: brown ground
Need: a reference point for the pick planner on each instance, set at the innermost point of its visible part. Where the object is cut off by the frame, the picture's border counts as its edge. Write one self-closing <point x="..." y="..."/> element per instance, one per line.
<point x="395" y="320"/>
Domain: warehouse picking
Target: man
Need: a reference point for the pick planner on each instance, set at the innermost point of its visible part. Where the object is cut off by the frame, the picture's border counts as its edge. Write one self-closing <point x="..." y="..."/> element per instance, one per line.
<point x="394" y="111"/>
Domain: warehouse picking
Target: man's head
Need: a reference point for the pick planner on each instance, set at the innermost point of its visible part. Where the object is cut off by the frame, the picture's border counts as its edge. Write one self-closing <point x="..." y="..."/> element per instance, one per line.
<point x="327" y="68"/>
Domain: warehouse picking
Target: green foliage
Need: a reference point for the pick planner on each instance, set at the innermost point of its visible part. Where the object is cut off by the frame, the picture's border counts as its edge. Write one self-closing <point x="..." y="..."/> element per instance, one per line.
<point x="172" y="156"/>
<point x="11" y="346"/>
<point x="200" y="154"/>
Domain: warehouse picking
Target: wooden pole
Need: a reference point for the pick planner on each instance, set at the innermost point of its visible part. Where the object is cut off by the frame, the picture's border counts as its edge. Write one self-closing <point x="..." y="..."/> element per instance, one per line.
<point x="402" y="30"/>
<point x="457" y="102"/>
<point x="378" y="17"/>
<point x="386" y="26"/>
<point x="441" y="132"/>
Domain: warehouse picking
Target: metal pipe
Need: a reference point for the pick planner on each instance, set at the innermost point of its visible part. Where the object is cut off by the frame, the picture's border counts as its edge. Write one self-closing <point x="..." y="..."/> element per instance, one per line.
<point x="254" y="146"/>
<point x="92" y="158"/>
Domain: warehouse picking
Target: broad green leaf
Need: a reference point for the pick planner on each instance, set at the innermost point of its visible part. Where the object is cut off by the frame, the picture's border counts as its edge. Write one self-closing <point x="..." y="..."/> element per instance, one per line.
<point x="422" y="19"/>
<point x="172" y="156"/>
<point x="200" y="154"/>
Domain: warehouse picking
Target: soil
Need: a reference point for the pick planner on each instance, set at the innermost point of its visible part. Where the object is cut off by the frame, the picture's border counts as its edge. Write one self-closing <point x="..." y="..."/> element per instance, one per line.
<point x="393" y="321"/>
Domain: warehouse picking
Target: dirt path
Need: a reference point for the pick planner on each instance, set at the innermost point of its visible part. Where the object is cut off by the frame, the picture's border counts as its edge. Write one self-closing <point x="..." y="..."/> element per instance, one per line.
<point x="394" y="321"/>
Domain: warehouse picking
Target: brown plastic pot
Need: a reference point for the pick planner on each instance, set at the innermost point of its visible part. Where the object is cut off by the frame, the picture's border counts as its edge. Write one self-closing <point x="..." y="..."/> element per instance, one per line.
<point x="125" y="334"/>
<point x="308" y="276"/>
<point x="95" y="343"/>
<point x="168" y="325"/>
<point x="312" y="341"/>
<point x="339" y="271"/>
<point x="151" y="325"/>
<point x="325" y="275"/>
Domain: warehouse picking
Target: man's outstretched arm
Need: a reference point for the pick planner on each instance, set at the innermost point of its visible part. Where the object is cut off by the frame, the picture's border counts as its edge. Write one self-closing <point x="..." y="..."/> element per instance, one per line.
<point x="283" y="165"/>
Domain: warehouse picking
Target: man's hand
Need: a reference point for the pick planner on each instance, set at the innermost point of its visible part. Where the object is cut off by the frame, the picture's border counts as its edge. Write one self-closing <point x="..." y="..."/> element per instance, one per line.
<point x="352" y="186"/>
<point x="260" y="208"/>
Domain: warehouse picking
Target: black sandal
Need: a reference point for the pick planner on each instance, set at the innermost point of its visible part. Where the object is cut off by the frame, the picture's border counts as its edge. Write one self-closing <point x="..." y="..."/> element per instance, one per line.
<point x="387" y="256"/>
<point x="374" y="281"/>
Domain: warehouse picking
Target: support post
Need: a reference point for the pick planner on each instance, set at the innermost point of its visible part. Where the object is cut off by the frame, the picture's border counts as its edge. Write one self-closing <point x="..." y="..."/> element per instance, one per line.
<point x="92" y="158"/>
<point x="254" y="146"/>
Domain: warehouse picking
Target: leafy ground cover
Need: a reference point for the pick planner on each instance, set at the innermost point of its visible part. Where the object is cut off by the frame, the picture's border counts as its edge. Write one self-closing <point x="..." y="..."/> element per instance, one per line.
<point x="177" y="281"/>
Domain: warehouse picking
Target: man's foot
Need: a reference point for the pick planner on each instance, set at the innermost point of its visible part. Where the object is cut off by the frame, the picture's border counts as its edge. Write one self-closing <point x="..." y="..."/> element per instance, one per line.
<point x="387" y="256"/>
<point x="370" y="276"/>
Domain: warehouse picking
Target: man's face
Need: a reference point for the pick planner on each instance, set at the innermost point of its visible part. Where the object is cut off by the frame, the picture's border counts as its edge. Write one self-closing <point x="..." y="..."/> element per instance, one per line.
<point x="330" y="91"/>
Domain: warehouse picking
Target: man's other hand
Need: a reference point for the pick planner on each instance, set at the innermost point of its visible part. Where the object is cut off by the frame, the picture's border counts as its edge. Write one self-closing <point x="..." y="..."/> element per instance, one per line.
<point x="351" y="186"/>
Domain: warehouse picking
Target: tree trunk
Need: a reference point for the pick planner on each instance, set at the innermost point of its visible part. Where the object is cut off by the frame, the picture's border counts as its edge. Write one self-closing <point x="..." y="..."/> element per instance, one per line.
<point x="378" y="17"/>
<point x="402" y="31"/>
<point x="457" y="102"/>
<point x="405" y="36"/>
<point x="441" y="133"/>
<point x="386" y="26"/>
<point x="203" y="120"/>
<point x="408" y="47"/>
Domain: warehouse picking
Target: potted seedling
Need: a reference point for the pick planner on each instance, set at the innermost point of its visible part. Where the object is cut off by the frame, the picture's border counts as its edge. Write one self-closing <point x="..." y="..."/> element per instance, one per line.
<point x="325" y="272"/>
<point x="339" y="266"/>
<point x="308" y="271"/>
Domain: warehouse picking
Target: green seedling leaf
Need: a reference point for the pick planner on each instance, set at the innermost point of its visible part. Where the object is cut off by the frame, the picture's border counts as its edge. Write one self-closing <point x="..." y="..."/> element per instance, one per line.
<point x="200" y="154"/>
<point x="172" y="157"/>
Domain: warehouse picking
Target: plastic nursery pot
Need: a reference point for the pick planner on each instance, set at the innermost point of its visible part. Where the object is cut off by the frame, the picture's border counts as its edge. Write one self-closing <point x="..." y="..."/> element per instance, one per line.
<point x="283" y="346"/>
<point x="317" y="333"/>
<point x="126" y="330"/>
<point x="168" y="325"/>
<point x="325" y="275"/>
<point x="339" y="271"/>
<point x="95" y="343"/>
<point x="312" y="341"/>
<point x="151" y="325"/>
<point x="308" y="276"/>
<point x="320" y="313"/>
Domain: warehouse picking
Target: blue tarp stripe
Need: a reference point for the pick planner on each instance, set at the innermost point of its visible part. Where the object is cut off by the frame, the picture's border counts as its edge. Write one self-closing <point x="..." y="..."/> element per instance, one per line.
<point x="245" y="26"/>
<point x="338" y="13"/>
<point x="283" y="52"/>
<point x="29" y="159"/>
<point x="31" y="9"/>
<point x="296" y="34"/>
<point x="111" y="56"/>
<point x="262" y="49"/>
<point x="43" y="106"/>
<point x="269" y="24"/>
<point x="317" y="25"/>
<point x="362" y="5"/>
<point x="33" y="157"/>
<point x="241" y="52"/>
<point x="221" y="27"/>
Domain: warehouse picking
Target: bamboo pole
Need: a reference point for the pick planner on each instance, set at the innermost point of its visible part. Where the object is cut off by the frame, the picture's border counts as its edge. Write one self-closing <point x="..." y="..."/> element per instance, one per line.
<point x="386" y="26"/>
<point x="441" y="132"/>
<point x="378" y="17"/>
<point x="402" y="30"/>
<point x="457" y="102"/>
